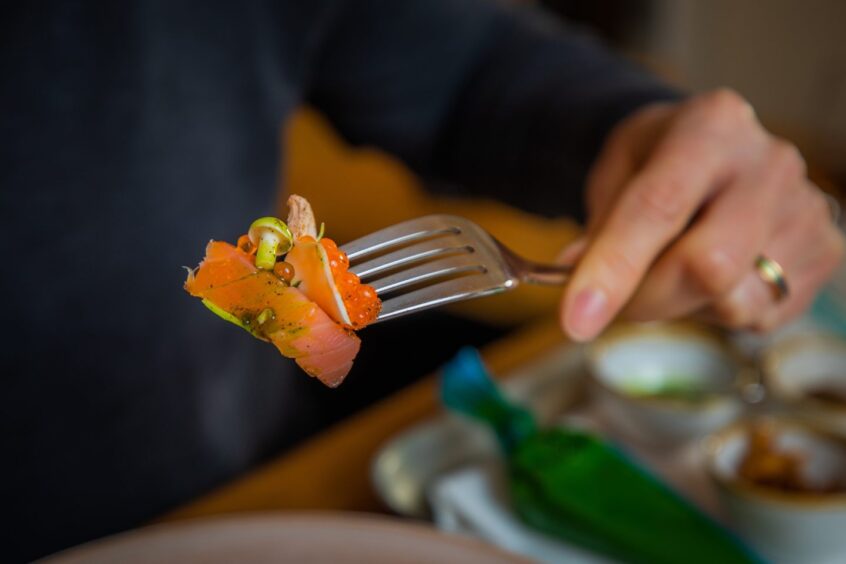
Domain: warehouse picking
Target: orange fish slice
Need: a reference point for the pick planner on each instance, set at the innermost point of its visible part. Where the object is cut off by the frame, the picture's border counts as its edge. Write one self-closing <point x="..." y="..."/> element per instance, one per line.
<point x="263" y="304"/>
<point x="321" y="271"/>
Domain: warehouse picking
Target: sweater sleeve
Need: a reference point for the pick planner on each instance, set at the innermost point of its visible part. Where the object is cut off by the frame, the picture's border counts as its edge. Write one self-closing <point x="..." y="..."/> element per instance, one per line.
<point x="479" y="97"/>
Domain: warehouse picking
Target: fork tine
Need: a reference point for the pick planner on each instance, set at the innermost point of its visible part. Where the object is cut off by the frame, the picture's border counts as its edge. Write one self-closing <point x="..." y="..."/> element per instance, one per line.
<point x="401" y="233"/>
<point x="431" y="261"/>
<point x="425" y="273"/>
<point x="442" y="293"/>
<point x="408" y="256"/>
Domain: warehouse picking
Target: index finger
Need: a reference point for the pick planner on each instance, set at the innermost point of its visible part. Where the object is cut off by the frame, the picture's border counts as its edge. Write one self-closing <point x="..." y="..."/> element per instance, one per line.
<point x="649" y="214"/>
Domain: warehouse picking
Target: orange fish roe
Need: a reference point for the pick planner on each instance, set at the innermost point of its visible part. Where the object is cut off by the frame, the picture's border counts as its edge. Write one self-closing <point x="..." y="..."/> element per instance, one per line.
<point x="361" y="301"/>
<point x="284" y="271"/>
<point x="246" y="245"/>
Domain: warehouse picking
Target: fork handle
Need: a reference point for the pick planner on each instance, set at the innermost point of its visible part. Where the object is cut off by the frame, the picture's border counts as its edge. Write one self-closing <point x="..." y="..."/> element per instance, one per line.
<point x="545" y="274"/>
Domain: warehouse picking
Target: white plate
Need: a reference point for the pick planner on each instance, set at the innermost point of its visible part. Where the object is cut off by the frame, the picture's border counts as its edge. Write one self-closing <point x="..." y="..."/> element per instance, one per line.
<point x="407" y="465"/>
<point x="299" y="538"/>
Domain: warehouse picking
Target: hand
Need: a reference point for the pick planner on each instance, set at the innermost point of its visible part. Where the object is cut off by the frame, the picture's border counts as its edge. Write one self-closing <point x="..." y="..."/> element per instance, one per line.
<point x="682" y="200"/>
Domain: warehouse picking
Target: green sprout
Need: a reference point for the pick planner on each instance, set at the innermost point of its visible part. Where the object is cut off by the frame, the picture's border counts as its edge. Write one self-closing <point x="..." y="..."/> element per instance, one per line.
<point x="223" y="314"/>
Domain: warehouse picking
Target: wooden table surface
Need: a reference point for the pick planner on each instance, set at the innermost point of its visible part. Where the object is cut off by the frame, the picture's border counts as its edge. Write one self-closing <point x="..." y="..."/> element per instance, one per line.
<point x="332" y="470"/>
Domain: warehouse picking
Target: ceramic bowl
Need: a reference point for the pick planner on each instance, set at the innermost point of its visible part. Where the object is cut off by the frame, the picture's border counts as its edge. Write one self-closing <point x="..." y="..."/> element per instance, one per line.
<point x="664" y="384"/>
<point x="807" y="375"/>
<point x="784" y="527"/>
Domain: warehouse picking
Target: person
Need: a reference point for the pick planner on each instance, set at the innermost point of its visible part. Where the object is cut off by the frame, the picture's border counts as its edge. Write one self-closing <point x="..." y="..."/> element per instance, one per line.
<point x="132" y="132"/>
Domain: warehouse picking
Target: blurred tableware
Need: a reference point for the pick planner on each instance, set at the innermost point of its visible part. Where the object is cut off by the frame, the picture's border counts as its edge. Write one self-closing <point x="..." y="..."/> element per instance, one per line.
<point x="474" y="500"/>
<point x="410" y="462"/>
<point x="665" y="384"/>
<point x="446" y="453"/>
<point x="807" y="375"/>
<point x="579" y="487"/>
<point x="786" y="526"/>
<point x="752" y="345"/>
<point x="318" y="537"/>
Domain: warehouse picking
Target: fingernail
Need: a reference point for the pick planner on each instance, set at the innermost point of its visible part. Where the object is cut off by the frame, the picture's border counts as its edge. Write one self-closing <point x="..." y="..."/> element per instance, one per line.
<point x="572" y="252"/>
<point x="587" y="315"/>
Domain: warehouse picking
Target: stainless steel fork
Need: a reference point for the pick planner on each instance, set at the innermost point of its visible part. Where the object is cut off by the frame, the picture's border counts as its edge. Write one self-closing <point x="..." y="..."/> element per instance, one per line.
<point x="440" y="259"/>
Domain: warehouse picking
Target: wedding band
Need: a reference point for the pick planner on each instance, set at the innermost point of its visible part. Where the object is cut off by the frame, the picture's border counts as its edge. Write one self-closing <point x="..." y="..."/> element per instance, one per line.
<point x="771" y="272"/>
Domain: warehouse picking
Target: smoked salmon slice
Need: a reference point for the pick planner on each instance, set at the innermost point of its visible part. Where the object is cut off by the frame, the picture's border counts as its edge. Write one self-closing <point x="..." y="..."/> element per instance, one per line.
<point x="276" y="301"/>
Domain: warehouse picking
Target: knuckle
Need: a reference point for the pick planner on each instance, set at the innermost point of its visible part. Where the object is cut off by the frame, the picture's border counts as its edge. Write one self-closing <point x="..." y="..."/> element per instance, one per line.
<point x="819" y="208"/>
<point x="809" y="216"/>
<point x="663" y="201"/>
<point x="725" y="106"/>
<point x="787" y="158"/>
<point x="714" y="270"/>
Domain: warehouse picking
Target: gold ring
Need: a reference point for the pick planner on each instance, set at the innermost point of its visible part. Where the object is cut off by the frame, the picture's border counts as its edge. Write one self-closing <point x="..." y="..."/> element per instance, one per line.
<point x="772" y="273"/>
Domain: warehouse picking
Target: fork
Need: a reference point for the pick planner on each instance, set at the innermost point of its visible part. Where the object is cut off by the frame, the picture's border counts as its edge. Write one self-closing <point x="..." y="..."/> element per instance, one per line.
<point x="440" y="259"/>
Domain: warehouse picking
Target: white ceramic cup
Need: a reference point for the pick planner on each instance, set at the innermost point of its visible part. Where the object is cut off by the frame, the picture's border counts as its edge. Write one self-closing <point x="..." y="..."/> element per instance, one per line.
<point x="647" y="357"/>
<point x="784" y="527"/>
<point x="795" y="368"/>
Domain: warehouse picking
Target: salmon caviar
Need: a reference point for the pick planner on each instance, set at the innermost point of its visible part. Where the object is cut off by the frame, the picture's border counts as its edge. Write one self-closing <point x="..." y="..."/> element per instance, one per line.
<point x="360" y="300"/>
<point x="245" y="244"/>
<point x="284" y="270"/>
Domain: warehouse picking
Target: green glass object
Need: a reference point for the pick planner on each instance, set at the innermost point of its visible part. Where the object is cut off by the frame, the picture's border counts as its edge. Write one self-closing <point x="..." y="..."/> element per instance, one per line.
<point x="578" y="487"/>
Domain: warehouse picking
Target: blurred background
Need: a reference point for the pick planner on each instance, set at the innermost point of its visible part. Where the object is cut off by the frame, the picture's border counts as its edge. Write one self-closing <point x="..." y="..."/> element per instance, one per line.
<point x="786" y="56"/>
